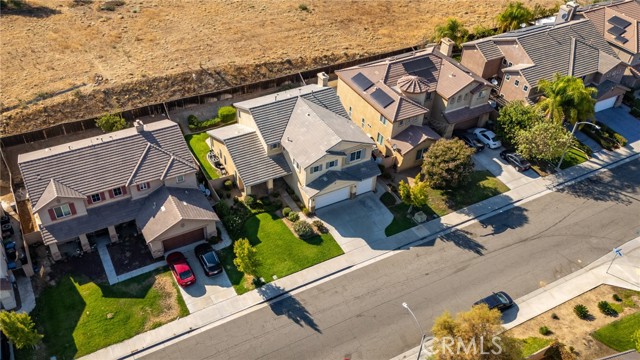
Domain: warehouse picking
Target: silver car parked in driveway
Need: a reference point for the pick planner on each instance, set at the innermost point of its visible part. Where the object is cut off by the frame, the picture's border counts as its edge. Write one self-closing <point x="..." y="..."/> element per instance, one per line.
<point x="487" y="137"/>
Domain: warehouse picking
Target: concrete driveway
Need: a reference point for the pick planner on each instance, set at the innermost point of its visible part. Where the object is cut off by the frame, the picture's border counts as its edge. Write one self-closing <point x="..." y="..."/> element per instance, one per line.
<point x="621" y="121"/>
<point x="357" y="222"/>
<point x="207" y="290"/>
<point x="489" y="159"/>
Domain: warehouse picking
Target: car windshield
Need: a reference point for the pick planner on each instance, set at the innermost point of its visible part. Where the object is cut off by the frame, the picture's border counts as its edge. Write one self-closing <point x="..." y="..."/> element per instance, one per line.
<point x="503" y="299"/>
<point x="185" y="275"/>
<point x="210" y="259"/>
<point x="490" y="136"/>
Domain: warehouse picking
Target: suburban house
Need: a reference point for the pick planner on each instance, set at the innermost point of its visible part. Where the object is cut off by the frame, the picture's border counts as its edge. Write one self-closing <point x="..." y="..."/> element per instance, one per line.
<point x="619" y="24"/>
<point x="142" y="176"/>
<point x="401" y="100"/>
<point x="516" y="61"/>
<point x="302" y="135"/>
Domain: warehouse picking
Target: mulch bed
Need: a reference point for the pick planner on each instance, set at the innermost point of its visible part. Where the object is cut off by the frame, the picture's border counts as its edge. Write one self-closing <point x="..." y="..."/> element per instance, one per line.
<point x="88" y="265"/>
<point x="129" y="255"/>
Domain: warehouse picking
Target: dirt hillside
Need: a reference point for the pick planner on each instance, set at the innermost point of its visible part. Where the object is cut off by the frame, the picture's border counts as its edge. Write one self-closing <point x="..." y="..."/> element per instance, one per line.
<point x="122" y="54"/>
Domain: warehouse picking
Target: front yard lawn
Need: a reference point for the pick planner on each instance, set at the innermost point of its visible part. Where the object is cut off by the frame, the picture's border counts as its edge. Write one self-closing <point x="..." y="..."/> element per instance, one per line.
<point x="280" y="252"/>
<point x="200" y="149"/>
<point x="531" y="345"/>
<point x="573" y="157"/>
<point x="617" y="335"/>
<point x="482" y="185"/>
<point x="78" y="317"/>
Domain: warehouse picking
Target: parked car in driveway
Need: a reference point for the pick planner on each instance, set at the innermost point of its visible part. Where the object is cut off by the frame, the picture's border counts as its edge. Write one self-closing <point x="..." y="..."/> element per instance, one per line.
<point x="516" y="160"/>
<point x="498" y="300"/>
<point x="487" y="137"/>
<point x="208" y="259"/>
<point x="470" y="140"/>
<point x="181" y="269"/>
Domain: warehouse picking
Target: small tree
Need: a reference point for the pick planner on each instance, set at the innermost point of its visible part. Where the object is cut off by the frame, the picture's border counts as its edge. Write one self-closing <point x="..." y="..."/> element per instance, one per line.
<point x="545" y="140"/>
<point x="227" y="114"/>
<point x="246" y="257"/>
<point x="111" y="122"/>
<point x="566" y="98"/>
<point x="513" y="118"/>
<point x="515" y="14"/>
<point x="19" y="329"/>
<point x="303" y="229"/>
<point x="453" y="29"/>
<point x="481" y="31"/>
<point x="447" y="164"/>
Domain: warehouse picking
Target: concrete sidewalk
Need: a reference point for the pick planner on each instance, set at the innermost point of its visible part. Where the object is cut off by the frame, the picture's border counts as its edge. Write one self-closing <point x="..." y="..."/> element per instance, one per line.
<point x="360" y="256"/>
<point x="622" y="271"/>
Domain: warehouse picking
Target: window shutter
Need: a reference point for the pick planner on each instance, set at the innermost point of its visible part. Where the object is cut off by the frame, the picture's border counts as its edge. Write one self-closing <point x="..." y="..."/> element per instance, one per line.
<point x="72" y="207"/>
<point x="124" y="190"/>
<point x="102" y="197"/>
<point x="52" y="214"/>
<point x="110" y="194"/>
<point x="89" y="200"/>
<point x="148" y="185"/>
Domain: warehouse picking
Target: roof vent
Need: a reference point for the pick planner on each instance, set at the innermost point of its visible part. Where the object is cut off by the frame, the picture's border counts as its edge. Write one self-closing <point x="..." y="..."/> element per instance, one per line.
<point x="154" y="204"/>
<point x="162" y="208"/>
<point x="184" y="203"/>
<point x="139" y="125"/>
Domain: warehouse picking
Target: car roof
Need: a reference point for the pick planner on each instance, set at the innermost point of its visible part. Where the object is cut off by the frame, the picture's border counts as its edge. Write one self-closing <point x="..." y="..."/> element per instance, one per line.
<point x="491" y="301"/>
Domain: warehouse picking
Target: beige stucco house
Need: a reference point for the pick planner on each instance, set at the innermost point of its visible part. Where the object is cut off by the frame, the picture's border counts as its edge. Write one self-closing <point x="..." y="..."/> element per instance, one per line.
<point x="144" y="174"/>
<point x="303" y="136"/>
<point x="407" y="102"/>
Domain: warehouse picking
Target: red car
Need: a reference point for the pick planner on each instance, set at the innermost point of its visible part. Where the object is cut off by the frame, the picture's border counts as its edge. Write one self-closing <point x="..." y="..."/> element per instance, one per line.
<point x="181" y="269"/>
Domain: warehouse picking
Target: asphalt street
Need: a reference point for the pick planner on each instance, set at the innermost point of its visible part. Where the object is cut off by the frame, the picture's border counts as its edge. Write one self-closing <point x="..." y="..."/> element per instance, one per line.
<point x="359" y="315"/>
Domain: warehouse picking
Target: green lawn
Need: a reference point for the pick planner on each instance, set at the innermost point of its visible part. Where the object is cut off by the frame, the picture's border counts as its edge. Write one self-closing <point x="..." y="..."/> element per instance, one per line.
<point x="617" y="335"/>
<point x="573" y="157"/>
<point x="200" y="149"/>
<point x="280" y="252"/>
<point x="78" y="317"/>
<point x="531" y="345"/>
<point x="482" y="185"/>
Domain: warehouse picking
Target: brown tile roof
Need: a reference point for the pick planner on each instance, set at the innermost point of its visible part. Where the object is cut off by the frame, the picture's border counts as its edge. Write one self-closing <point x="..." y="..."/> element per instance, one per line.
<point x="465" y="114"/>
<point x="413" y="136"/>
<point x="413" y="84"/>
<point x="600" y="14"/>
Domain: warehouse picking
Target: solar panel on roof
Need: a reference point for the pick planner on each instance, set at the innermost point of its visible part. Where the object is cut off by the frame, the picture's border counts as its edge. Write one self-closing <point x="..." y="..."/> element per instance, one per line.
<point x="381" y="98"/>
<point x="416" y="65"/>
<point x="618" y="21"/>
<point x="616" y="31"/>
<point x="621" y="40"/>
<point x="362" y="81"/>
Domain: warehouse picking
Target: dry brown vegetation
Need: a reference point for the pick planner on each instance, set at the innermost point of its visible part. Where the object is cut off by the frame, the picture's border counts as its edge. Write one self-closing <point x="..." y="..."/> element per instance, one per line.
<point x="143" y="52"/>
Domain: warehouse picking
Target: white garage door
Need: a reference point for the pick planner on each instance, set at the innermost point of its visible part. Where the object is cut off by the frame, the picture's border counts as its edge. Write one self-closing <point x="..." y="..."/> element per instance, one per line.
<point x="605" y="104"/>
<point x="332" y="197"/>
<point x="364" y="186"/>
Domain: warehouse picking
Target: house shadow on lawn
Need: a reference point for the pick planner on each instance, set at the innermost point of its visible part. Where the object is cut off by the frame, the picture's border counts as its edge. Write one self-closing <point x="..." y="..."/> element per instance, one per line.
<point x="134" y="288"/>
<point x="286" y="304"/>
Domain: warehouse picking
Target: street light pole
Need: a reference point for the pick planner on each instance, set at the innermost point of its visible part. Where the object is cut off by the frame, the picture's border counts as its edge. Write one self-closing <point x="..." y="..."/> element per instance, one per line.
<point x="575" y="126"/>
<point x="423" y="336"/>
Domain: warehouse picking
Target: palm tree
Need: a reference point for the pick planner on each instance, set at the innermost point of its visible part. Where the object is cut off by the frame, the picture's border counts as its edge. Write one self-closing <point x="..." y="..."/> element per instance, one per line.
<point x="453" y="29"/>
<point x="566" y="98"/>
<point x="514" y="14"/>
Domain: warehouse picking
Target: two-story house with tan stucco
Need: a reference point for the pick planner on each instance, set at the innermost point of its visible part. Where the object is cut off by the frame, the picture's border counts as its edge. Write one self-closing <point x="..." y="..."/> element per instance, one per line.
<point x="89" y="188"/>
<point x="303" y="136"/>
<point x="405" y="103"/>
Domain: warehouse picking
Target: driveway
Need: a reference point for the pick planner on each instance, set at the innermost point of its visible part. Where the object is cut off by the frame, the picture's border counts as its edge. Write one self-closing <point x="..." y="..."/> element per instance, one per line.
<point x="621" y="121"/>
<point x="489" y="159"/>
<point x="207" y="290"/>
<point x="357" y="222"/>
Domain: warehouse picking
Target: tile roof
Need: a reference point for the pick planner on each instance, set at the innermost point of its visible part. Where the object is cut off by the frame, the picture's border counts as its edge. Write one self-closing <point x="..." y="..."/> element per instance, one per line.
<point x="465" y="114"/>
<point x="608" y="89"/>
<point x="108" y="161"/>
<point x="249" y="156"/>
<point x="53" y="190"/>
<point x="357" y="172"/>
<point x="167" y="206"/>
<point x="489" y="50"/>
<point x="313" y="131"/>
<point x="413" y="136"/>
<point x="600" y="14"/>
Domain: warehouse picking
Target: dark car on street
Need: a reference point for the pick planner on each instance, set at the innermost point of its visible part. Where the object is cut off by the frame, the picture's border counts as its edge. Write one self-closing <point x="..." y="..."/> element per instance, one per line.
<point x="470" y="140"/>
<point x="516" y="160"/>
<point x="208" y="259"/>
<point x="498" y="300"/>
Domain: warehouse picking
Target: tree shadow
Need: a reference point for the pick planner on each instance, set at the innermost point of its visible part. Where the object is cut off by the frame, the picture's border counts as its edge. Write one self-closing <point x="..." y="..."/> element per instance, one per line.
<point x="620" y="185"/>
<point x="287" y="305"/>
<point x="21" y="8"/>
<point x="509" y="219"/>
<point x="462" y="239"/>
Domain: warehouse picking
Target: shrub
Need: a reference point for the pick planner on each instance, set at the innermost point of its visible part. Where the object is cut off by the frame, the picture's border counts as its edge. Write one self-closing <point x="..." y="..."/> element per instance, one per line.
<point x="584" y="148"/>
<point x="111" y="122"/>
<point x="544" y="330"/>
<point x="293" y="216"/>
<point x="222" y="209"/>
<point x="286" y="211"/>
<point x="250" y="201"/>
<point x="266" y="201"/>
<point x="228" y="195"/>
<point x="303" y="7"/>
<point x="227" y="114"/>
<point x="581" y="311"/>
<point x="306" y="211"/>
<point x="606" y="308"/>
<point x="193" y="120"/>
<point x="275" y="194"/>
<point x="617" y="298"/>
<point x="388" y="199"/>
<point x="319" y="225"/>
<point x="228" y="184"/>
<point x="555" y="316"/>
<point x="447" y="164"/>
<point x="236" y="200"/>
<point x="303" y="229"/>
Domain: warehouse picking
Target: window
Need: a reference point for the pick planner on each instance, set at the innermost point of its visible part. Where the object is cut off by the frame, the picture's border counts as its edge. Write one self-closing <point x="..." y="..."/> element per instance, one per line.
<point x="466" y="96"/>
<point x="96" y="198"/>
<point x="504" y="61"/>
<point x="383" y="120"/>
<point x="296" y="165"/>
<point x="401" y="123"/>
<point x="420" y="153"/>
<point x="275" y="146"/>
<point x="143" y="186"/>
<point x="332" y="163"/>
<point x="516" y="83"/>
<point x="459" y="98"/>
<point x="62" y="211"/>
<point x="510" y="64"/>
<point x="316" y="168"/>
<point x="380" y="139"/>
<point x="482" y="93"/>
<point x="349" y="111"/>
<point x="507" y="77"/>
<point x="356" y="155"/>
<point x="362" y="122"/>
<point x="117" y="192"/>
<point x="525" y="88"/>
<point x="428" y="96"/>
<point x="225" y="159"/>
<point x="180" y="178"/>
<point x="239" y="114"/>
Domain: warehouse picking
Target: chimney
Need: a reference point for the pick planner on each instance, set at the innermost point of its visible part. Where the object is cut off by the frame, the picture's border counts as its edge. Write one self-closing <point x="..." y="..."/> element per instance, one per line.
<point x="139" y="126"/>
<point x="446" y="46"/>
<point x="323" y="79"/>
<point x="566" y="12"/>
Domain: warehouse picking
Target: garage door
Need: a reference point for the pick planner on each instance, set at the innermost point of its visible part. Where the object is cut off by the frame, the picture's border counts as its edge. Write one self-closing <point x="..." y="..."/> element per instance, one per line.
<point x="364" y="186"/>
<point x="605" y="104"/>
<point x="467" y="124"/>
<point x="183" y="240"/>
<point x="332" y="197"/>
